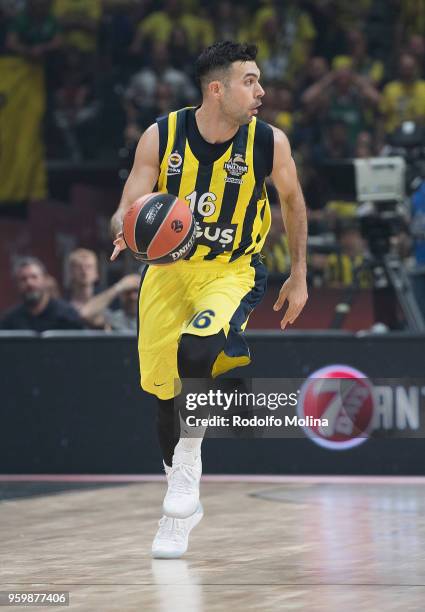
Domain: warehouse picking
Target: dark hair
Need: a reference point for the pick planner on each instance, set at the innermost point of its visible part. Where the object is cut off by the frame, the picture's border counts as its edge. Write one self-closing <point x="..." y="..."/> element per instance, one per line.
<point x="220" y="56"/>
<point x="23" y="262"/>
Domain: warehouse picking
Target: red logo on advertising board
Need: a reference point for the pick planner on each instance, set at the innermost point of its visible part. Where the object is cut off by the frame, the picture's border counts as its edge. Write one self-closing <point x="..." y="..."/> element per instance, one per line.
<point x="343" y="396"/>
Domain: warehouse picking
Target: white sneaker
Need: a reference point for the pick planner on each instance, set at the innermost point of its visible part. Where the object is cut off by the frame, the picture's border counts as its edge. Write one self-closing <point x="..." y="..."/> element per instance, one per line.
<point x="182" y="497"/>
<point x="172" y="538"/>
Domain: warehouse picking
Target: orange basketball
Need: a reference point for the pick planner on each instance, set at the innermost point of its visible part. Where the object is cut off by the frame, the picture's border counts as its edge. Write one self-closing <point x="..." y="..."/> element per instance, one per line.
<point x="159" y="229"/>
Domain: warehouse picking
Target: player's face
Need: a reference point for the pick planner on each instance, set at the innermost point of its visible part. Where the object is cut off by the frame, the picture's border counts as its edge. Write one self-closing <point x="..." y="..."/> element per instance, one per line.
<point x="31" y="282"/>
<point x="242" y="92"/>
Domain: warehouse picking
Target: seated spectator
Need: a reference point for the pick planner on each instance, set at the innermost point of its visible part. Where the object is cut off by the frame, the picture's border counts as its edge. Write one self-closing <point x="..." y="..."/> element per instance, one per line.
<point x="39" y="311"/>
<point x="83" y="275"/>
<point x="79" y="20"/>
<point x="35" y="32"/>
<point x="125" y="318"/>
<point x="349" y="265"/>
<point x="403" y="99"/>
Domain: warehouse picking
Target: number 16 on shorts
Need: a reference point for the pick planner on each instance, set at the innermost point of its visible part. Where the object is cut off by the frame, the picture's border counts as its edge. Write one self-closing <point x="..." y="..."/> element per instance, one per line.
<point x="202" y="319"/>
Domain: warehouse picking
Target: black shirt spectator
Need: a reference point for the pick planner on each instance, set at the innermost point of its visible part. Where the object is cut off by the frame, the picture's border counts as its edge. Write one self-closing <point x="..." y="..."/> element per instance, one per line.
<point x="38" y="311"/>
<point x="56" y="315"/>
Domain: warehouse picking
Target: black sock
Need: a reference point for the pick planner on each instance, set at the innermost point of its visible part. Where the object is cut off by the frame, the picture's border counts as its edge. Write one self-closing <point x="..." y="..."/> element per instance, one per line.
<point x="168" y="428"/>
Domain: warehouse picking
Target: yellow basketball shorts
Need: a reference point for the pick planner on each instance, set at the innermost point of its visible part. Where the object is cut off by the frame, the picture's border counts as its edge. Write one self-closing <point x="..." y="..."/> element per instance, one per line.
<point x="200" y="298"/>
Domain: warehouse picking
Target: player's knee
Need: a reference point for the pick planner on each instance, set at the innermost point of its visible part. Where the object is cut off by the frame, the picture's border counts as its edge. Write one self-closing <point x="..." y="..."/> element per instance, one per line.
<point x="196" y="355"/>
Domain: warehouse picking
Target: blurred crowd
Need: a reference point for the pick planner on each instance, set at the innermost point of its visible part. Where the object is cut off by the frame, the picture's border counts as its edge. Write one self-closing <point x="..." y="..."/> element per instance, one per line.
<point x="340" y="78"/>
<point x="82" y="305"/>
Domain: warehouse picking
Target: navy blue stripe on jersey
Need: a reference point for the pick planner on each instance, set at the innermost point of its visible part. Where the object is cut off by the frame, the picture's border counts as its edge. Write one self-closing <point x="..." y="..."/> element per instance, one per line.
<point x="259" y="234"/>
<point x="163" y="135"/>
<point x="250" y="214"/>
<point x="236" y="345"/>
<point x="142" y="278"/>
<point x="263" y="150"/>
<point x="262" y="213"/>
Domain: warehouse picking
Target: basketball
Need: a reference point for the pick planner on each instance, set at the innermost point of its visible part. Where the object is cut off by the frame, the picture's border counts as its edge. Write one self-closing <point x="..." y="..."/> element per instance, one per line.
<point x="159" y="229"/>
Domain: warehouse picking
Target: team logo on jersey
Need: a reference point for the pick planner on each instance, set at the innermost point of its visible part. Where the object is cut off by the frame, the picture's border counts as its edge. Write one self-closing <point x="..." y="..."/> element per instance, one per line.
<point x="175" y="161"/>
<point x="343" y="396"/>
<point x="218" y="236"/>
<point x="236" y="167"/>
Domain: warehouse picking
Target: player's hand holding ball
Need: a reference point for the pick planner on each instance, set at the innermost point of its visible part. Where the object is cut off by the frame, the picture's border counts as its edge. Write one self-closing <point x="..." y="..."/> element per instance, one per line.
<point x="158" y="229"/>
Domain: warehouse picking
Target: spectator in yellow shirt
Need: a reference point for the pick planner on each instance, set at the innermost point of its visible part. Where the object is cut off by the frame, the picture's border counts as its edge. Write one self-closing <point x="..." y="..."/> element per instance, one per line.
<point x="80" y="21"/>
<point x="349" y="265"/>
<point x="404" y="99"/>
<point x="158" y="27"/>
<point x="284" y="34"/>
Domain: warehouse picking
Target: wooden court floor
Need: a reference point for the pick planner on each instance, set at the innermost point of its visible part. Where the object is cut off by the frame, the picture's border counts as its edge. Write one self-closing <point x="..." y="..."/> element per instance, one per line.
<point x="307" y="544"/>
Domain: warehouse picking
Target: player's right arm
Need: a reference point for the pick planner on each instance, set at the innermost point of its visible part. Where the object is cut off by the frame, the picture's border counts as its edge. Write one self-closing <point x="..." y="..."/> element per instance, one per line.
<point x="141" y="180"/>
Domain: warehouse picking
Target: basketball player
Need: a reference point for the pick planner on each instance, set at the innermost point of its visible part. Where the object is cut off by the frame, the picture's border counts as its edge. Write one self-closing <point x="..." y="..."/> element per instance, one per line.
<point x="192" y="313"/>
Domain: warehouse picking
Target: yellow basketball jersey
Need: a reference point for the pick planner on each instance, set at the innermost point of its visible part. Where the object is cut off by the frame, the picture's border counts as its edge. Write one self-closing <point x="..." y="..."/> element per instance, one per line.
<point x="227" y="197"/>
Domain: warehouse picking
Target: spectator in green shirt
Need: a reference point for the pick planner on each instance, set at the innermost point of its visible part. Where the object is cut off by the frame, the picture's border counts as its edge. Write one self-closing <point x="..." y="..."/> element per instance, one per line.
<point x="34" y="32"/>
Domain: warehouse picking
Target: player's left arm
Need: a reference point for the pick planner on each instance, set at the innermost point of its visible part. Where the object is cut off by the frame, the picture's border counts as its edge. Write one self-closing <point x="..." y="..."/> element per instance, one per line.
<point x="285" y="179"/>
